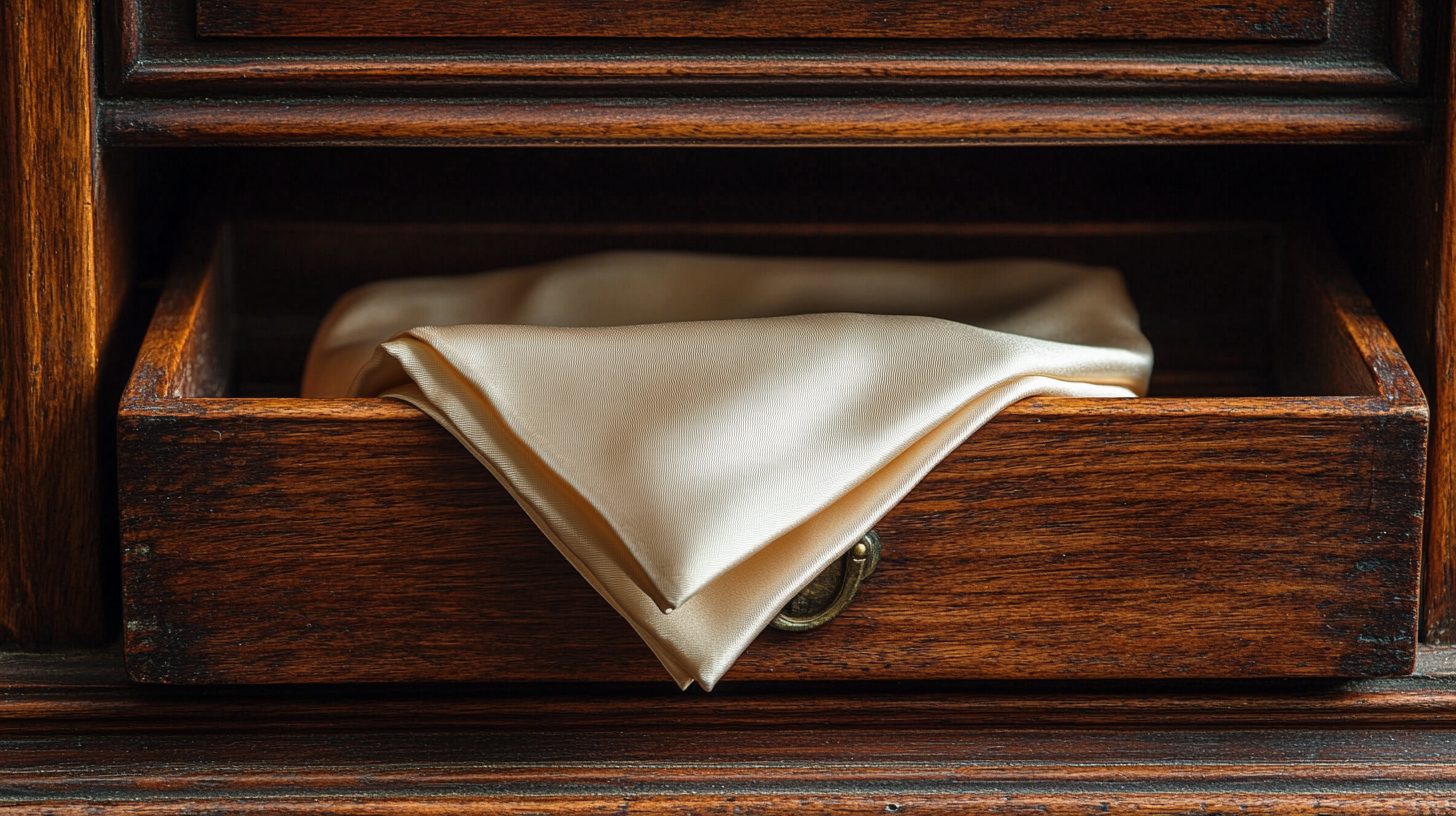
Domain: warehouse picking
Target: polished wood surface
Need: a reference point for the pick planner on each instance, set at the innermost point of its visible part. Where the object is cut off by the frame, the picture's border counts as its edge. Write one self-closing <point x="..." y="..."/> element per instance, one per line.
<point x="1372" y="49"/>
<point x="1267" y="536"/>
<point x="1085" y="771"/>
<point x="745" y="121"/>
<point x="74" y="735"/>
<point x="1286" y="20"/>
<point x="1439" y="584"/>
<point x="53" y="324"/>
<point x="1360" y="83"/>
<point x="88" y="693"/>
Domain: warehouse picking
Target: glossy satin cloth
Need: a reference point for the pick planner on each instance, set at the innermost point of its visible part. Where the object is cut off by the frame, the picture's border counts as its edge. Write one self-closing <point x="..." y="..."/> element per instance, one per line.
<point x="701" y="435"/>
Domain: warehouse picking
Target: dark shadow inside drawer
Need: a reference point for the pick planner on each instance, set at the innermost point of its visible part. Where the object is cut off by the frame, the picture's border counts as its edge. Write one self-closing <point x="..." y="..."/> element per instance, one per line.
<point x="1259" y="515"/>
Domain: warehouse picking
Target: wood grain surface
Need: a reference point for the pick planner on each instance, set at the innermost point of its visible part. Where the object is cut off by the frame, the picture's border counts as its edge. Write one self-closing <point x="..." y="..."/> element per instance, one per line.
<point x="154" y="49"/>
<point x="87" y="693"/>
<point x="850" y="769"/>
<point x="52" y="327"/>
<point x="757" y="121"/>
<point x="75" y="736"/>
<point x="757" y="771"/>
<point x="277" y="540"/>
<point x="1408" y="28"/>
<point x="1439" y="584"/>
<point x="1292" y="20"/>
<point x="1398" y="799"/>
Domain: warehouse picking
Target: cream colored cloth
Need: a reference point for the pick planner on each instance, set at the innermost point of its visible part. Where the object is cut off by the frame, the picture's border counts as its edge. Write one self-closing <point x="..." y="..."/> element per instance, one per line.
<point x="701" y="435"/>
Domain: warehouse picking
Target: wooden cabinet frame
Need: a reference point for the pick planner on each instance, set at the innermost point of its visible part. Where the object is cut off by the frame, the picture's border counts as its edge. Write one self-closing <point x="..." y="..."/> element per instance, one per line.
<point x="79" y="736"/>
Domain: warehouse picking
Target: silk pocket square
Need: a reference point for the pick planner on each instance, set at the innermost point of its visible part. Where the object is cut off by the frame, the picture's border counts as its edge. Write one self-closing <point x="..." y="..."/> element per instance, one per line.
<point x="694" y="435"/>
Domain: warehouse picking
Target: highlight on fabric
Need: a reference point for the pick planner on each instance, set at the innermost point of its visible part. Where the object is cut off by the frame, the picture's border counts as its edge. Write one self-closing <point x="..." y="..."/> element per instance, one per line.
<point x="701" y="435"/>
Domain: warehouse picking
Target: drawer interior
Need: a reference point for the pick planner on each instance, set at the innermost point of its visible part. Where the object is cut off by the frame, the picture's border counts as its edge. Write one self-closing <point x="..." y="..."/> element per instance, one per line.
<point x="1210" y="294"/>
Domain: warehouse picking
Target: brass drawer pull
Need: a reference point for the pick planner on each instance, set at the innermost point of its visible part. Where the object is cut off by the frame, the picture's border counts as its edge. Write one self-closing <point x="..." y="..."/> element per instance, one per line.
<point x="829" y="593"/>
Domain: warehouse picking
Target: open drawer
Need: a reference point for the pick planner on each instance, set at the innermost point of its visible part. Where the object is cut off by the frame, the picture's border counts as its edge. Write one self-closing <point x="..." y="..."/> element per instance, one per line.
<point x="1259" y="515"/>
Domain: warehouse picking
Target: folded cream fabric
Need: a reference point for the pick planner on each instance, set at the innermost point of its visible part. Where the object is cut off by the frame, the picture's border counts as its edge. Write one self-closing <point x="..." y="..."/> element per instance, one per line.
<point x="701" y="435"/>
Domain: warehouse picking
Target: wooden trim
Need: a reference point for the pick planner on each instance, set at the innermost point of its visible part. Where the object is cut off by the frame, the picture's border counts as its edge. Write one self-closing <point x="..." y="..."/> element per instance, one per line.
<point x="692" y="66"/>
<point x="1090" y="798"/>
<point x="805" y="122"/>
<point x="154" y="50"/>
<point x="88" y="693"/>
<point x="52" y="327"/>
<point x="75" y="737"/>
<point x="1279" y="20"/>
<point x="833" y="751"/>
<point x="1438" y="596"/>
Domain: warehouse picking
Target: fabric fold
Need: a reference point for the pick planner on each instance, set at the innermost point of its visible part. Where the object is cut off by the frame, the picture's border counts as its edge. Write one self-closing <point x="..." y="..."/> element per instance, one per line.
<point x="695" y="434"/>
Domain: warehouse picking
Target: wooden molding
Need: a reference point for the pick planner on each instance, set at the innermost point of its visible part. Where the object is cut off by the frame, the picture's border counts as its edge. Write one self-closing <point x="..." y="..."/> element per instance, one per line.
<point x="744" y="770"/>
<point x="74" y="737"/>
<point x="1280" y="20"/>
<point x="753" y="121"/>
<point x="154" y="49"/>
<point x="79" y="693"/>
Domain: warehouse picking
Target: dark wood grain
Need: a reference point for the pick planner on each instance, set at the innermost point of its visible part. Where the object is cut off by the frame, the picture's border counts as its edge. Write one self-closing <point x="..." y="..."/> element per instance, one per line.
<point x="1294" y="20"/>
<point x="1080" y="802"/>
<point x="1439" y="586"/>
<point x="154" y="50"/>
<point x="1274" y="536"/>
<point x="848" y="769"/>
<point x="792" y="121"/>
<point x="283" y="561"/>
<point x="1391" y="211"/>
<point x="52" y="325"/>
<point x="1407" y="29"/>
<point x="998" y="771"/>
<point x="74" y="736"/>
<point x="71" y="694"/>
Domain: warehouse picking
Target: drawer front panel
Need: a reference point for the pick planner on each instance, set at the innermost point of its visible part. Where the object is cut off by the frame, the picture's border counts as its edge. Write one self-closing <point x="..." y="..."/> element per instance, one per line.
<point x="265" y="550"/>
<point x="1293" y="20"/>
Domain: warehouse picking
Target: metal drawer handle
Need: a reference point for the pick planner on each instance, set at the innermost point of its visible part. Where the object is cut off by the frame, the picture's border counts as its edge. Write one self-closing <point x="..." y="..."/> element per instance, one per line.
<point x="828" y="594"/>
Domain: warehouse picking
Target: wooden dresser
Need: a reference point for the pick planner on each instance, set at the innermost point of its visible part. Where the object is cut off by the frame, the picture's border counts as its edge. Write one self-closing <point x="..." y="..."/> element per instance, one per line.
<point x="278" y="151"/>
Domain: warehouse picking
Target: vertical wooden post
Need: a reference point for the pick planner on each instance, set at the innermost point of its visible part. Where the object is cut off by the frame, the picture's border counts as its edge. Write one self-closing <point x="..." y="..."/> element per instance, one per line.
<point x="50" y="563"/>
<point x="1439" y="573"/>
